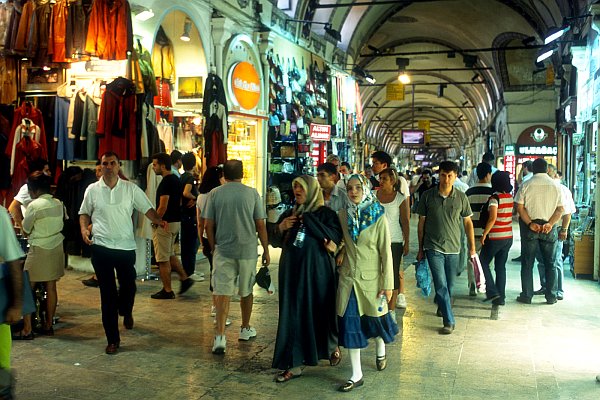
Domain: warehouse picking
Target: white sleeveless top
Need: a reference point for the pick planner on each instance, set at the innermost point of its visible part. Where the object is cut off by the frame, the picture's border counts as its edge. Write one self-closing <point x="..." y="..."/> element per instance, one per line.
<point x="392" y="213"/>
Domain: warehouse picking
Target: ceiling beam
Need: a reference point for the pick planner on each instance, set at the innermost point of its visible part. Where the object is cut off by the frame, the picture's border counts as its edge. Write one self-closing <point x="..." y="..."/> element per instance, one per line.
<point x="416" y="107"/>
<point x="374" y="3"/>
<point x="454" y="51"/>
<point x="434" y="83"/>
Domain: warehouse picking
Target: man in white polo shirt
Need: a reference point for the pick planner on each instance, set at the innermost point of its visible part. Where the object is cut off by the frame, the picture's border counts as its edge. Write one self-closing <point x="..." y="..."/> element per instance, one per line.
<point x="539" y="204"/>
<point x="109" y="205"/>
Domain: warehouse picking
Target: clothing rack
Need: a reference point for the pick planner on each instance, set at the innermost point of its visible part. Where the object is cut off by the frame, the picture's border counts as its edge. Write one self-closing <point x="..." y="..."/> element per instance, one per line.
<point x="165" y="108"/>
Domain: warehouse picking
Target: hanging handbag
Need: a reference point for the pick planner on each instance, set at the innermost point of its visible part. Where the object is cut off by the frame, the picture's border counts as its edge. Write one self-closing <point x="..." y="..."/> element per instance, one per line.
<point x="6" y="290"/>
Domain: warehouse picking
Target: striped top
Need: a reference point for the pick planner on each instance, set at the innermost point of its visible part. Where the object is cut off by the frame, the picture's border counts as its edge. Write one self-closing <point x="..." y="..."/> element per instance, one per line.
<point x="478" y="195"/>
<point x="502" y="228"/>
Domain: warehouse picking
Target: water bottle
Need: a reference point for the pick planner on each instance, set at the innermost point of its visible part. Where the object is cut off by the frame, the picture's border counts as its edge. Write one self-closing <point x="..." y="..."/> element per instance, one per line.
<point x="299" y="241"/>
<point x="382" y="302"/>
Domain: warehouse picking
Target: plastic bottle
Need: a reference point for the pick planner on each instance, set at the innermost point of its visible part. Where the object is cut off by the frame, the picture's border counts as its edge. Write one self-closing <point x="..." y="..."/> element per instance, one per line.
<point x="382" y="302"/>
<point x="299" y="241"/>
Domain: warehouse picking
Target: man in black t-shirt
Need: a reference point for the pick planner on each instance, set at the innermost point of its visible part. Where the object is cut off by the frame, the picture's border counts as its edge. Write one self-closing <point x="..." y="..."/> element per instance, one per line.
<point x="189" y="222"/>
<point x="168" y="207"/>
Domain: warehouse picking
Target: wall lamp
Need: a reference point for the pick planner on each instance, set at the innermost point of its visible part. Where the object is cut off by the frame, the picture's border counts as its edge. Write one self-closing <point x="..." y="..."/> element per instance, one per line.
<point x="141" y="13"/>
<point x="545" y="52"/>
<point x="361" y="73"/>
<point x="187" y="27"/>
<point x="336" y="35"/>
<point x="403" y="77"/>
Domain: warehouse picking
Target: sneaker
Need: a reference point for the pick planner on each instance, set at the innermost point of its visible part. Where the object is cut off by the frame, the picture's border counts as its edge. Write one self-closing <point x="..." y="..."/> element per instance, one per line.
<point x="213" y="311"/>
<point x="92" y="282"/>
<point x="163" y="295"/>
<point x="540" y="292"/>
<point x="197" y="277"/>
<point x="185" y="285"/>
<point x="247" y="333"/>
<point x="401" y="301"/>
<point x="446" y="330"/>
<point x="227" y="322"/>
<point x="219" y="345"/>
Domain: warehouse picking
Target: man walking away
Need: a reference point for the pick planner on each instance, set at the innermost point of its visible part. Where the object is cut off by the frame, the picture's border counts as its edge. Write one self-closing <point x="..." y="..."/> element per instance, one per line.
<point x="234" y="213"/>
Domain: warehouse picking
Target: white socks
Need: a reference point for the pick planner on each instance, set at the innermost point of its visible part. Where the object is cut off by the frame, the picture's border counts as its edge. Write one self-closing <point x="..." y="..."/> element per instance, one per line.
<point x="356" y="367"/>
<point x="379" y="347"/>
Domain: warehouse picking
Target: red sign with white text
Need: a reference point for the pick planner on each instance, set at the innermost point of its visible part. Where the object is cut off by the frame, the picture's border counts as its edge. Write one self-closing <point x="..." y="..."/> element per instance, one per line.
<point x="510" y="166"/>
<point x="320" y="132"/>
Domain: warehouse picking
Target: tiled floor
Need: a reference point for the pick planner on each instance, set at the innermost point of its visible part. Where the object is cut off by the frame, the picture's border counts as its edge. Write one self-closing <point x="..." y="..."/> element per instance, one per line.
<point x="530" y="352"/>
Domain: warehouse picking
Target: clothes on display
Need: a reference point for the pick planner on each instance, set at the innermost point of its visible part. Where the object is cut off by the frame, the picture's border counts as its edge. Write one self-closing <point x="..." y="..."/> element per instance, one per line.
<point x="8" y="80"/>
<point x="163" y="58"/>
<point x="214" y="109"/>
<point x="110" y="33"/>
<point x="32" y="121"/>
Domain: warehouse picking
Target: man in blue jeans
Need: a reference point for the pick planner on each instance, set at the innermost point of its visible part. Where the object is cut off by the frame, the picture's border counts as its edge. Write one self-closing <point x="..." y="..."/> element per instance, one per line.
<point x="539" y="204"/>
<point x="441" y="211"/>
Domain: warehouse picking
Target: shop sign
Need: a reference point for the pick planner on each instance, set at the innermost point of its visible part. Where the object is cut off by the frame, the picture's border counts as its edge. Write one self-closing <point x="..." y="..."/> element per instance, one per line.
<point x="394" y="91"/>
<point x="245" y="85"/>
<point x="538" y="150"/>
<point x="424" y="124"/>
<point x="510" y="166"/>
<point x="320" y="132"/>
<point x="509" y="149"/>
<point x="539" y="135"/>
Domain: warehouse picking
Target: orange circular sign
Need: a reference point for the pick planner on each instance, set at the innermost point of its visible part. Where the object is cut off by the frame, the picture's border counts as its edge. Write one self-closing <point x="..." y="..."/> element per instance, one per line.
<point x="245" y="85"/>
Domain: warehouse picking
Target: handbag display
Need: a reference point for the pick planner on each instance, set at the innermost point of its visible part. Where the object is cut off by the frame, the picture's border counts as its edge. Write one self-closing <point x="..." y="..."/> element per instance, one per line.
<point x="6" y="293"/>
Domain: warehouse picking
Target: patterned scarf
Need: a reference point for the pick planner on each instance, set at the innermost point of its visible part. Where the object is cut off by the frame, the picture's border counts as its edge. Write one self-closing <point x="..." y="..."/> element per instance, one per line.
<point x="364" y="214"/>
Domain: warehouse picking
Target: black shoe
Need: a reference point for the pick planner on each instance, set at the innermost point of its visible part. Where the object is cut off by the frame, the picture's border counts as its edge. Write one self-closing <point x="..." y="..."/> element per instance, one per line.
<point x="92" y="282"/>
<point x="163" y="295"/>
<point x="517" y="259"/>
<point x="540" y="292"/>
<point x="128" y="321"/>
<point x="492" y="298"/>
<point x="112" y="348"/>
<point x="447" y="330"/>
<point x="439" y="313"/>
<point x="498" y="302"/>
<point x="185" y="285"/>
<point x="472" y="290"/>
<point x="348" y="386"/>
<point x="523" y="300"/>
<point x="551" y="301"/>
<point x="381" y="363"/>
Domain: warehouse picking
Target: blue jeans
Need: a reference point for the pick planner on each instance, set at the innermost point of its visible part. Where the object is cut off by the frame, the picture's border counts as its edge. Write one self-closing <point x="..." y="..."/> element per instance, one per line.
<point x="443" y="270"/>
<point x="531" y="243"/>
<point x="496" y="250"/>
<point x="560" y="274"/>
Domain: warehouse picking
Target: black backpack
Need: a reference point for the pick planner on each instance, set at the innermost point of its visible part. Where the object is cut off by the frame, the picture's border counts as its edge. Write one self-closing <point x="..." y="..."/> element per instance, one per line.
<point x="484" y="213"/>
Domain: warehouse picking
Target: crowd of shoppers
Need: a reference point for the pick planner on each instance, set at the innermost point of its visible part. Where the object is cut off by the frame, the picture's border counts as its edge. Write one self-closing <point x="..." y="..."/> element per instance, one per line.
<point x="340" y="272"/>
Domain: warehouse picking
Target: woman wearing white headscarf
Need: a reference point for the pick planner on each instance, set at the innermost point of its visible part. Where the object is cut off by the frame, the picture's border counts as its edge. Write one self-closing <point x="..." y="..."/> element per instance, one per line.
<point x="366" y="274"/>
<point x="306" y="281"/>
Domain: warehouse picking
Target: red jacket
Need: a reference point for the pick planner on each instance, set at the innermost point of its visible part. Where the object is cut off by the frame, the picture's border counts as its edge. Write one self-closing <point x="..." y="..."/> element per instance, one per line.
<point x="110" y="33"/>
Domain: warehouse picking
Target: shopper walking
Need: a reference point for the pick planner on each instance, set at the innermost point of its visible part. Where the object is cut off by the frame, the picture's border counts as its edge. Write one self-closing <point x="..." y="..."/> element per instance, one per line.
<point x="334" y="197"/>
<point x="497" y="237"/>
<point x="307" y="329"/>
<point x="11" y="253"/>
<point x="45" y="261"/>
<point x="366" y="279"/>
<point x="443" y="212"/>
<point x="110" y="203"/>
<point x="397" y="213"/>
<point x="234" y="213"/>
<point x="189" y="228"/>
<point x="539" y="204"/>
<point x="168" y="207"/>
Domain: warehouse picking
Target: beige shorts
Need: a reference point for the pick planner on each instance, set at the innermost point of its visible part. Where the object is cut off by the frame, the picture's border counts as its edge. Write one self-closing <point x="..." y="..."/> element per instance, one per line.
<point x="164" y="242"/>
<point x="229" y="271"/>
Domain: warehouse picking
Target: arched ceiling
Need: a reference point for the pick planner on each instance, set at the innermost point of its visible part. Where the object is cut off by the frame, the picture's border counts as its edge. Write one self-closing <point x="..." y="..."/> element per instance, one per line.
<point x="425" y="31"/>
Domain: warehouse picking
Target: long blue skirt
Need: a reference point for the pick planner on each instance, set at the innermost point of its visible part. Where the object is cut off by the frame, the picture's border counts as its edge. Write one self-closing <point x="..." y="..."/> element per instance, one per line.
<point x="355" y="330"/>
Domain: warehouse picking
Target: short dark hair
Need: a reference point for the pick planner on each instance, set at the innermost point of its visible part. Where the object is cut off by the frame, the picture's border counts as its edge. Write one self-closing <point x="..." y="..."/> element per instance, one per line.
<point x="528" y="164"/>
<point x="488" y="157"/>
<point x="39" y="182"/>
<point x="449" y="166"/>
<point x="465" y="173"/>
<point x="346" y="164"/>
<point x="110" y="153"/>
<point x="426" y="171"/>
<point x="210" y="179"/>
<point x="37" y="165"/>
<point x="188" y="160"/>
<point x="175" y="156"/>
<point x="382" y="157"/>
<point x="233" y="169"/>
<point x="483" y="169"/>
<point x="501" y="182"/>
<point x="163" y="159"/>
<point x="327" y="167"/>
<point x="539" y="166"/>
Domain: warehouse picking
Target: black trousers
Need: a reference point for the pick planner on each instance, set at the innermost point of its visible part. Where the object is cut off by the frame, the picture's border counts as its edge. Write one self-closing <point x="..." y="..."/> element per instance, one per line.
<point x="114" y="302"/>
<point x="189" y="243"/>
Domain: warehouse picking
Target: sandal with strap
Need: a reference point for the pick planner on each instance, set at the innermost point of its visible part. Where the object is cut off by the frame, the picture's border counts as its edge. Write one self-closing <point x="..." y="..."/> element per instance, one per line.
<point x="335" y="358"/>
<point x="286" y="376"/>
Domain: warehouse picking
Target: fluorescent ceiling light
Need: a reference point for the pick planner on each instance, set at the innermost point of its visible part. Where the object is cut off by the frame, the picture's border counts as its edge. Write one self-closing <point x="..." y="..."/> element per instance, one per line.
<point x="555" y="33"/>
<point x="371" y="79"/>
<point x="145" y="15"/>
<point x="545" y="54"/>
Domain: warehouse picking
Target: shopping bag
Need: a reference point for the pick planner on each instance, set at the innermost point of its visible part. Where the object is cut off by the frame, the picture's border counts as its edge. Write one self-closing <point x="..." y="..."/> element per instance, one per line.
<point x="422" y="276"/>
<point x="475" y="263"/>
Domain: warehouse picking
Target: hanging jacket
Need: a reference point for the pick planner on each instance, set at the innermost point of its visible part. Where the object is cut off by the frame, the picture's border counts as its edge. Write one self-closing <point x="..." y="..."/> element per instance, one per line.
<point x="26" y="110"/>
<point x="110" y="33"/>
<point x="58" y="32"/>
<point x="6" y="12"/>
<point x="77" y="25"/>
<point x="37" y="44"/>
<point x="24" y="27"/>
<point x="163" y="59"/>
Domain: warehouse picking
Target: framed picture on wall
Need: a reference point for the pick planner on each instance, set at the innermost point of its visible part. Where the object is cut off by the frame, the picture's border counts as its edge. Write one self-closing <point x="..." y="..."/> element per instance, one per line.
<point x="33" y="79"/>
<point x="190" y="89"/>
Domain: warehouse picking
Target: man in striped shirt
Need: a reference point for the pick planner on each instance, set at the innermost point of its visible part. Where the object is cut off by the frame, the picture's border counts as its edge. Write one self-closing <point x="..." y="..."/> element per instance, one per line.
<point x="478" y="195"/>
